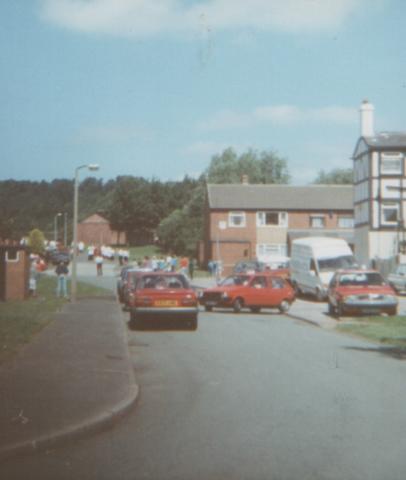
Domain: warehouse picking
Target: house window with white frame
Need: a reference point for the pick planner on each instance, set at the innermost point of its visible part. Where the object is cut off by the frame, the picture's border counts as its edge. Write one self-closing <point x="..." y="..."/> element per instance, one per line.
<point x="391" y="163"/>
<point x="236" y="219"/>
<point x="317" y="221"/>
<point x="272" y="219"/>
<point x="271" y="249"/>
<point x="345" y="221"/>
<point x="390" y="214"/>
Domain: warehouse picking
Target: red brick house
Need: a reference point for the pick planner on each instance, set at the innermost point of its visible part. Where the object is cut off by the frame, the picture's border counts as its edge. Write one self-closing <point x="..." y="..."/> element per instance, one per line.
<point x="96" y="230"/>
<point x="254" y="221"/>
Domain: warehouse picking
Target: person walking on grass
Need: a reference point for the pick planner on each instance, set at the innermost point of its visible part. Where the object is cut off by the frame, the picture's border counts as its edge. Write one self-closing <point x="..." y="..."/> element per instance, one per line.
<point x="62" y="273"/>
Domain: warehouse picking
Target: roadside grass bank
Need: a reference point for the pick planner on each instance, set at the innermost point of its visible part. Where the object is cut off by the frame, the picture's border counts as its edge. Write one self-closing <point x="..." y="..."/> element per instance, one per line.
<point x="21" y="320"/>
<point x="384" y="330"/>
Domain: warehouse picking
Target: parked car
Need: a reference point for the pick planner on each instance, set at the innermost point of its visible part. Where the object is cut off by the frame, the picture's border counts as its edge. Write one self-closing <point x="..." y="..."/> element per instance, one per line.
<point x="397" y="279"/>
<point x="360" y="292"/>
<point x="165" y="295"/>
<point x="253" y="291"/>
<point x="57" y="256"/>
<point x="249" y="266"/>
<point x="122" y="280"/>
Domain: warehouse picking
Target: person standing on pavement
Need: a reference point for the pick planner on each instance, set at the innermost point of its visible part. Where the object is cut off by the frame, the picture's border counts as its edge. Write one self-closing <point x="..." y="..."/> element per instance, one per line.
<point x="99" y="264"/>
<point x="62" y="273"/>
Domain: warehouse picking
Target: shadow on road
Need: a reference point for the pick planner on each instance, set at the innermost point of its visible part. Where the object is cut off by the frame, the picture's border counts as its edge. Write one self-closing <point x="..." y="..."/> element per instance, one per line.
<point x="399" y="353"/>
<point x="162" y="325"/>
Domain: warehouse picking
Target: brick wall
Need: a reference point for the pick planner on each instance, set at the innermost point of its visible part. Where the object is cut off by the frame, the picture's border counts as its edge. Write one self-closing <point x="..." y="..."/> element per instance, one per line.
<point x="16" y="276"/>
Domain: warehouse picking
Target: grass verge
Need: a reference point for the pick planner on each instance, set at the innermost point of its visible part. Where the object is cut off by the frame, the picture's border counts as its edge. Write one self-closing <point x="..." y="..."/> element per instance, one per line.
<point x="380" y="329"/>
<point x="20" y="320"/>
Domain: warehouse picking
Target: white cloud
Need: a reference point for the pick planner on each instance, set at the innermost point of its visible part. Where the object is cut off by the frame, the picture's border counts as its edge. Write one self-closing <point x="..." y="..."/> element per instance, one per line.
<point x="151" y="17"/>
<point x="282" y="115"/>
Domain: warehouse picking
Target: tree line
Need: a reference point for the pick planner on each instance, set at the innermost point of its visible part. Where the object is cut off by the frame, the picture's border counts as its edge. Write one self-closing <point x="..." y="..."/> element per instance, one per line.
<point x="167" y="212"/>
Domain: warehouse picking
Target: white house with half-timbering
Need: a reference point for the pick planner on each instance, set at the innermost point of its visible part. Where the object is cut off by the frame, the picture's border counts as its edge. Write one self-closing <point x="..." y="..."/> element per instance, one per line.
<point x="379" y="191"/>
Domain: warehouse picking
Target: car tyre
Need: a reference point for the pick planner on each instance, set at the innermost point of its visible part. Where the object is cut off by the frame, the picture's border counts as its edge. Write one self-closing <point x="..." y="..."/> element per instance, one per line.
<point x="339" y="310"/>
<point x="284" y="306"/>
<point x="208" y="308"/>
<point x="319" y="296"/>
<point x="255" y="309"/>
<point x="331" y="309"/>
<point x="393" y="311"/>
<point x="237" y="305"/>
<point x="193" y="322"/>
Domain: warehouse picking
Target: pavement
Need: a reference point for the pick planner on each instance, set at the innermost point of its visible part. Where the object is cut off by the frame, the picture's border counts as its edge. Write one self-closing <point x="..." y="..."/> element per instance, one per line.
<point x="76" y="376"/>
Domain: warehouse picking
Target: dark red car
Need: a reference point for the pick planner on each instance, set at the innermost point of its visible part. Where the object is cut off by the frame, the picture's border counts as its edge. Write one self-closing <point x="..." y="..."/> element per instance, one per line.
<point x="256" y="291"/>
<point x="163" y="295"/>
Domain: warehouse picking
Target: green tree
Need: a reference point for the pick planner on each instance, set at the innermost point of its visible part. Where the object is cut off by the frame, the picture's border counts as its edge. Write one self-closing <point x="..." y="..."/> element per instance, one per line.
<point x="338" y="176"/>
<point x="36" y="241"/>
<point x="260" y="167"/>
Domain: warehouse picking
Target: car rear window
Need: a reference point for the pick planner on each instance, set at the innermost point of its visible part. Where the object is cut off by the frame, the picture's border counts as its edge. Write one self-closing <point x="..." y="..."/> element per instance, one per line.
<point x="160" y="282"/>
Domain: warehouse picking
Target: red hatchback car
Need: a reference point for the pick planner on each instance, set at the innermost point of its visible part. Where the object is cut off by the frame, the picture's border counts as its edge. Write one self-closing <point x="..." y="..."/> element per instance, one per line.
<point x="159" y="295"/>
<point x="249" y="291"/>
<point x="360" y="291"/>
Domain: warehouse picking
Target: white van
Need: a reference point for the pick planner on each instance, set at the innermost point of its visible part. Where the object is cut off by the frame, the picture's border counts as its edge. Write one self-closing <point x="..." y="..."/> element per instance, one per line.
<point x="313" y="263"/>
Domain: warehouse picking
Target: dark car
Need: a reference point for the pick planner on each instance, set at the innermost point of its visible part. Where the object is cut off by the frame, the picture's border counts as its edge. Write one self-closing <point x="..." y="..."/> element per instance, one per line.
<point x="249" y="266"/>
<point x="57" y="256"/>
<point x="360" y="292"/>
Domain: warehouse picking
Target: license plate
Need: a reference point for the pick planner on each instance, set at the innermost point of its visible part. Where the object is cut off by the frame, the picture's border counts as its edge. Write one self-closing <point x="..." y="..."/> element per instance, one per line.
<point x="166" y="303"/>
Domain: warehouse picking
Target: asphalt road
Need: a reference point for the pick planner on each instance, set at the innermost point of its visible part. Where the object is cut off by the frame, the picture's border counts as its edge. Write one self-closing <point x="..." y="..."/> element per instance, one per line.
<point x="253" y="397"/>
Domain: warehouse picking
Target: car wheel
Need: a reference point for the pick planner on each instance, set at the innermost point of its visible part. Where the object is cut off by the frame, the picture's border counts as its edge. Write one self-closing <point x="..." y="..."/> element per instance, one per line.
<point x="331" y="309"/>
<point x="193" y="322"/>
<point x="237" y="305"/>
<point x="255" y="309"/>
<point x="284" y="306"/>
<point x="208" y="308"/>
<point x="319" y="295"/>
<point x="339" y="310"/>
<point x="393" y="311"/>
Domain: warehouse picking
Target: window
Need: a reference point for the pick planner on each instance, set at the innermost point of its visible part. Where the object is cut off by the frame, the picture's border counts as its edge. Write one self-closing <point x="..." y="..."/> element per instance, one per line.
<point x="236" y="219"/>
<point x="272" y="219"/>
<point x="390" y="214"/>
<point x="391" y="163"/>
<point x="271" y="249"/>
<point x="346" y="222"/>
<point x="317" y="221"/>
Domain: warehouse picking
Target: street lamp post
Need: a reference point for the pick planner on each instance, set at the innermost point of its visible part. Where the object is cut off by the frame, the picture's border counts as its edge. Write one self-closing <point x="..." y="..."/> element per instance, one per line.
<point x="92" y="167"/>
<point x="65" y="229"/>
<point x="56" y="226"/>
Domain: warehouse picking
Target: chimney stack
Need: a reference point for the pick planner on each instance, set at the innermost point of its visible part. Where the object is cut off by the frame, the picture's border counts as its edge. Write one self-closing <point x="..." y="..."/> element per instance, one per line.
<point x="367" y="119"/>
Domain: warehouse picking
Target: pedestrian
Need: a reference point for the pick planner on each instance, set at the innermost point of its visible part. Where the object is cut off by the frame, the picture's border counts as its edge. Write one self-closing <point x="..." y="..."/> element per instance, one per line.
<point x="184" y="265"/>
<point x="32" y="283"/>
<point x="99" y="264"/>
<point x="62" y="273"/>
<point x="191" y="268"/>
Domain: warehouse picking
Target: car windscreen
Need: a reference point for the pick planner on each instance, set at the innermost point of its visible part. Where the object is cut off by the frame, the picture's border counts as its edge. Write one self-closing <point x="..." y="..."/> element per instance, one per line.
<point x="160" y="282"/>
<point x="336" y="263"/>
<point x="235" y="280"/>
<point x="361" y="279"/>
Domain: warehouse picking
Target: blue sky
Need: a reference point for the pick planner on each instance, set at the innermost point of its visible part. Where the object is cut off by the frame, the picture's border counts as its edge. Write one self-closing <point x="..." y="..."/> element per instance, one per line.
<point x="154" y="88"/>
